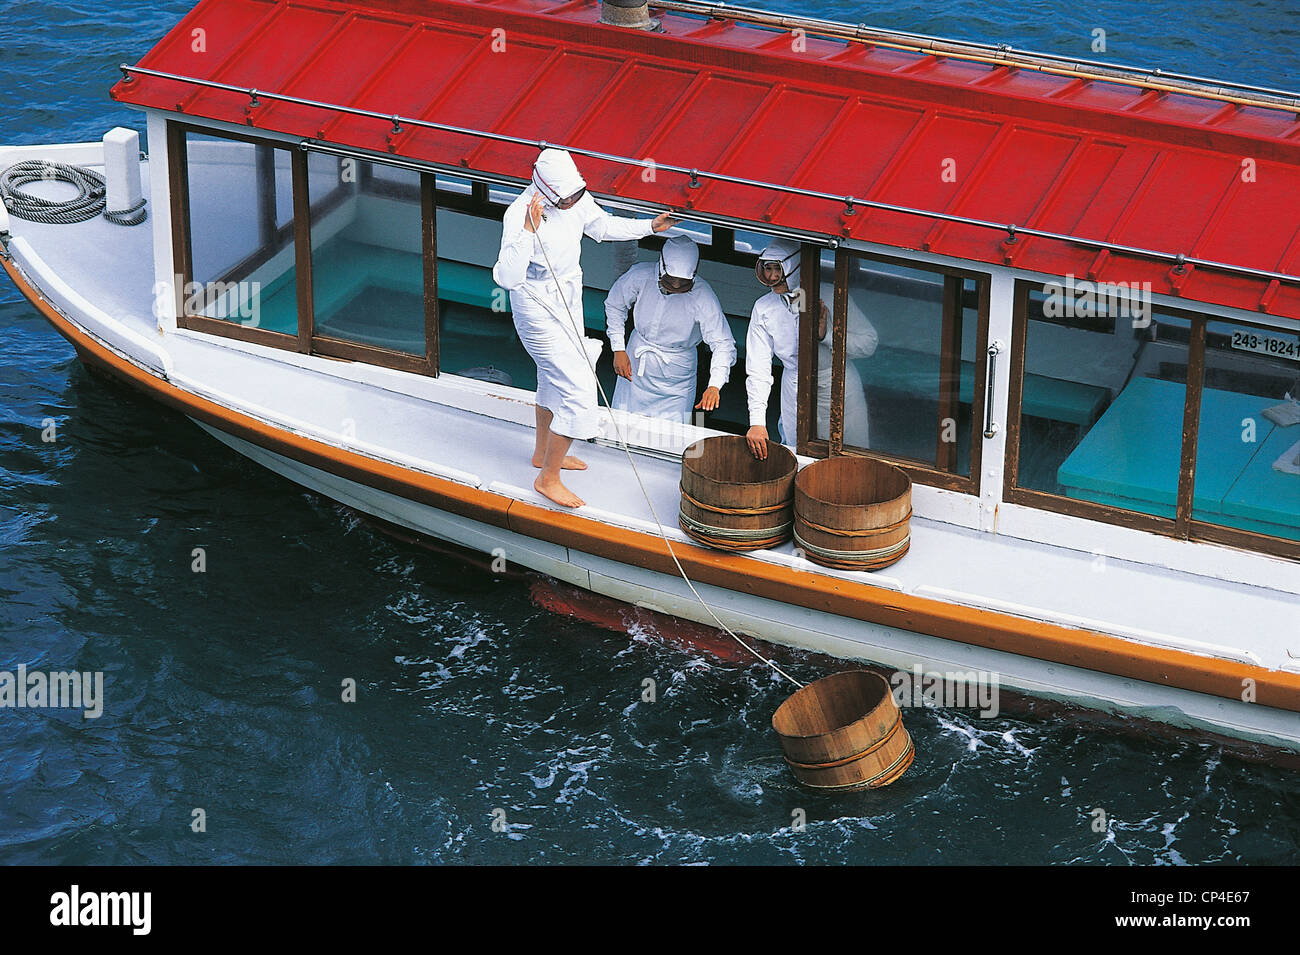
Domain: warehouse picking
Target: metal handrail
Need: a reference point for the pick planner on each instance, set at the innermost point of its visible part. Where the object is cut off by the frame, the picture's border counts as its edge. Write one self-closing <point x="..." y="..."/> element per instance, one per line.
<point x="1002" y="52"/>
<point x="850" y="203"/>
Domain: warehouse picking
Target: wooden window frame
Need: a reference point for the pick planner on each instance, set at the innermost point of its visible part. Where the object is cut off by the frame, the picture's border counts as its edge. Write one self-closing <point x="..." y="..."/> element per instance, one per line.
<point x="954" y="305"/>
<point x="182" y="247"/>
<point x="1183" y="526"/>
<point x="299" y="234"/>
<point x="426" y="364"/>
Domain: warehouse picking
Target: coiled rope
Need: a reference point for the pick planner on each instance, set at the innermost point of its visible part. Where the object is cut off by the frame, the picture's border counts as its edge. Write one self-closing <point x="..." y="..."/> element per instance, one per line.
<point x="579" y="331"/>
<point x="854" y="559"/>
<point x="731" y="538"/>
<point x="89" y="202"/>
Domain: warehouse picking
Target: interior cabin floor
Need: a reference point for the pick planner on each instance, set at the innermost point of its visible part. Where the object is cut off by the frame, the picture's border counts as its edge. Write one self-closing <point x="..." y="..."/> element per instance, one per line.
<point x="112" y="267"/>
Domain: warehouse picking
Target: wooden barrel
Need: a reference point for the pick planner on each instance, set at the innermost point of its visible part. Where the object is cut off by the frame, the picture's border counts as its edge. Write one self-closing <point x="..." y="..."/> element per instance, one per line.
<point x="844" y="732"/>
<point x="852" y="513"/>
<point x="733" y="501"/>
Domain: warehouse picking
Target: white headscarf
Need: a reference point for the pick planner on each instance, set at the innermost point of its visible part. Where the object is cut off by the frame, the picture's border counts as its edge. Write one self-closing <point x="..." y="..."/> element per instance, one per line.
<point x="789" y="254"/>
<point x="680" y="257"/>
<point x="556" y="175"/>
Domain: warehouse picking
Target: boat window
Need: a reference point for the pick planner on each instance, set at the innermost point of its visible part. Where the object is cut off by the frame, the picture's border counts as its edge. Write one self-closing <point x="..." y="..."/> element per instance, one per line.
<point x="1104" y="422"/>
<point x="326" y="182"/>
<point x="1248" y="444"/>
<point x="328" y="179"/>
<point x="367" y="261"/>
<point x="701" y="232"/>
<point x="476" y="333"/>
<point x="238" y="235"/>
<point x="815" y="400"/>
<point x="751" y="243"/>
<point x="1101" y="410"/>
<point x="392" y="181"/>
<point x="454" y="184"/>
<point x="911" y="368"/>
<point x="897" y="345"/>
<point x="503" y="195"/>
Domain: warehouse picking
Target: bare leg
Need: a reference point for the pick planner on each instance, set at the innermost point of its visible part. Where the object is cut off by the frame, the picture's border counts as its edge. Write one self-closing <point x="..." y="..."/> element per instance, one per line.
<point x="548" y="482"/>
<point x="544" y="418"/>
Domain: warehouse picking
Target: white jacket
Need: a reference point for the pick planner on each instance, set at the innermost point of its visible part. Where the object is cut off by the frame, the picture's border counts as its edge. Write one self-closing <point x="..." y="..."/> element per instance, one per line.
<point x="523" y="261"/>
<point x="670" y="323"/>
<point x="774" y="332"/>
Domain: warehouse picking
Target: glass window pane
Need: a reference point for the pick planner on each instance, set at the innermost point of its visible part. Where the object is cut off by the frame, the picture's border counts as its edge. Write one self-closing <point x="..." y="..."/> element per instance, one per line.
<point x="503" y="195"/>
<point x="1102" y="408"/>
<point x="1248" y="445"/>
<point x="368" y="259"/>
<point x="701" y="232"/>
<point x="476" y="332"/>
<point x="241" y="245"/>
<point x="819" y="364"/>
<point x="955" y="428"/>
<point x="454" y="184"/>
<point x="893" y="399"/>
<point x="751" y="243"/>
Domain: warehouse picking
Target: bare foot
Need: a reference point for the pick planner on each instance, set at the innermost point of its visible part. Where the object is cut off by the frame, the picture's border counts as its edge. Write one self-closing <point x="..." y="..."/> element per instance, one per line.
<point x="558" y="493"/>
<point x="570" y="463"/>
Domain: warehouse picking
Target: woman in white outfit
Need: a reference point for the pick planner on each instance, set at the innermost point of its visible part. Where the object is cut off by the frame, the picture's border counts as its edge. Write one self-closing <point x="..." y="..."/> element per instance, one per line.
<point x="774" y="331"/>
<point x="539" y="266"/>
<point x="675" y="311"/>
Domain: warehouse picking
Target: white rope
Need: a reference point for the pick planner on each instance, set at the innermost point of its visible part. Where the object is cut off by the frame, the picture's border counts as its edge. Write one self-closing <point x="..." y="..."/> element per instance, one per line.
<point x="89" y="202"/>
<point x="735" y="534"/>
<point x="579" y="330"/>
<point x="860" y="556"/>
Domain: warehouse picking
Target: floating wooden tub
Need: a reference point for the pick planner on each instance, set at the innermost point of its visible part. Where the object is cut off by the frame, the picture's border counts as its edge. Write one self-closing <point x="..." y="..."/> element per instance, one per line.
<point x="733" y="501"/>
<point x="853" y="513"/>
<point x="844" y="732"/>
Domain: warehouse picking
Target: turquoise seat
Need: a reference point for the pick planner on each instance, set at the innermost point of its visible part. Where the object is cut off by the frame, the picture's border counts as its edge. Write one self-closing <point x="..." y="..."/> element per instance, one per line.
<point x="473" y="285"/>
<point x="1130" y="459"/>
<point x="1263" y="499"/>
<point x="1222" y="454"/>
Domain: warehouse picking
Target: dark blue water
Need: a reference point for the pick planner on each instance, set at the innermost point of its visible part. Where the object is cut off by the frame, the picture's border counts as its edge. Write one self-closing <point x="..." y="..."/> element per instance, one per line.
<point x="224" y="688"/>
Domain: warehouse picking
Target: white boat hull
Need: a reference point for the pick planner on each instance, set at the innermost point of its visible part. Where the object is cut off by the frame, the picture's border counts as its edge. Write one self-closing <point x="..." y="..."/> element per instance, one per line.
<point x="780" y="623"/>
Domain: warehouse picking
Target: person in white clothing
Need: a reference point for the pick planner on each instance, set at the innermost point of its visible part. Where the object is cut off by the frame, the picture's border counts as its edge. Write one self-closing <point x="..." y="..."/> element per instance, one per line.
<point x="774" y="331"/>
<point x="675" y="311"/>
<point x="541" y="243"/>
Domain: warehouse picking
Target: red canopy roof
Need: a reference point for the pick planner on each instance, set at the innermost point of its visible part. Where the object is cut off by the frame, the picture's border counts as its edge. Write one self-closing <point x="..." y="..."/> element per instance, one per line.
<point x="1092" y="159"/>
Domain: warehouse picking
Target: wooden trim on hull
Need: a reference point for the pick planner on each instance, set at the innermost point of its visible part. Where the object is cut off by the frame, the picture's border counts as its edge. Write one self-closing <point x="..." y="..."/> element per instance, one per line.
<point x="974" y="626"/>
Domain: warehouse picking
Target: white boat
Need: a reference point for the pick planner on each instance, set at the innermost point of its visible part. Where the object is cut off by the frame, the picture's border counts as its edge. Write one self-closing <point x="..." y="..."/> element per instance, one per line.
<point x="1104" y="513"/>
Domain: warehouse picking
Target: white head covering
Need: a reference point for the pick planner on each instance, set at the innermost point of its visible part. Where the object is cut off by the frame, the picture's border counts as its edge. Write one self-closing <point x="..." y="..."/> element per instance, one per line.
<point x="556" y="175"/>
<point x="680" y="258"/>
<point x="789" y="254"/>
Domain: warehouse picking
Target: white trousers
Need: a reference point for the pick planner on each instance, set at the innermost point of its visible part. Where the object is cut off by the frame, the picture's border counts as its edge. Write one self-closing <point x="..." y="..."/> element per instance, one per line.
<point x="566" y="386"/>
<point x="663" y="381"/>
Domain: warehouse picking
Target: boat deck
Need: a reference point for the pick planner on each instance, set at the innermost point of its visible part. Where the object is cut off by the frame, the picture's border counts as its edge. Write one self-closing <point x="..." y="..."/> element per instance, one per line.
<point x="407" y="419"/>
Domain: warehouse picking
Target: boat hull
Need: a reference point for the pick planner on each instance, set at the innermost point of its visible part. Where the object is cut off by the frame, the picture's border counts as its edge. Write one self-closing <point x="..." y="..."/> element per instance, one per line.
<point x="891" y="648"/>
<point x="860" y="621"/>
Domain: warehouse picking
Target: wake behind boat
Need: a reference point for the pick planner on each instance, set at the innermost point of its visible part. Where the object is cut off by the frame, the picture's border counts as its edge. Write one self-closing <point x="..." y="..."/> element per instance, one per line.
<point x="1083" y="281"/>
